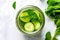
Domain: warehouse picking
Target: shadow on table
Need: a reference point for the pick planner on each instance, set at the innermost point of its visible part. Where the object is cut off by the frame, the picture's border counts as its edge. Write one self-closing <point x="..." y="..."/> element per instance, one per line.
<point x="38" y="37"/>
<point x="42" y="0"/>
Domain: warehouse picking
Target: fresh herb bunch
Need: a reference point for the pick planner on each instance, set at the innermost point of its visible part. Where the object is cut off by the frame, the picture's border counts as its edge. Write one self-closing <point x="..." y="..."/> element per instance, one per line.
<point x="53" y="11"/>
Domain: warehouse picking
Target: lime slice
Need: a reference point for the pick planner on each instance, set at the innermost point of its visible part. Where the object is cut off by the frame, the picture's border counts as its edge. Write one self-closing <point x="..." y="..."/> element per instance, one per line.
<point x="24" y="17"/>
<point x="29" y="27"/>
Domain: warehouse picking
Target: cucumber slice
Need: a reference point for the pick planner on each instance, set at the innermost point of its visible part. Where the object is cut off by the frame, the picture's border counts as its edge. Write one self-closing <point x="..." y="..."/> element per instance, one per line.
<point x="24" y="17"/>
<point x="29" y="27"/>
<point x="37" y="25"/>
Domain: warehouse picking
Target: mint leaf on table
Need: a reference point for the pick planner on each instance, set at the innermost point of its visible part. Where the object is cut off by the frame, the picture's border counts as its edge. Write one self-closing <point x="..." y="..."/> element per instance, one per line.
<point x="48" y="36"/>
<point x="53" y="2"/>
<point x="57" y="22"/>
<point x="54" y="38"/>
<point x="14" y="5"/>
<point x="57" y="31"/>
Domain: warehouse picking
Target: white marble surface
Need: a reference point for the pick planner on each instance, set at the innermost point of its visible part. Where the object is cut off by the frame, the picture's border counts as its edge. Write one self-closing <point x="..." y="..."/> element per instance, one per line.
<point x="8" y="29"/>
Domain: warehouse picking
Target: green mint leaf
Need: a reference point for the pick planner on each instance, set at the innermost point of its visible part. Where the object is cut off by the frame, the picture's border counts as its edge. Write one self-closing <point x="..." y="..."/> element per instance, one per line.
<point x="48" y="36"/>
<point x="58" y="23"/>
<point x="55" y="38"/>
<point x="53" y="2"/>
<point x="53" y="12"/>
<point x="14" y="5"/>
<point x="57" y="31"/>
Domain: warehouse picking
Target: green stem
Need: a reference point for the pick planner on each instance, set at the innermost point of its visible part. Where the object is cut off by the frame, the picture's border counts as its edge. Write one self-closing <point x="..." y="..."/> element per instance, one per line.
<point x="54" y="35"/>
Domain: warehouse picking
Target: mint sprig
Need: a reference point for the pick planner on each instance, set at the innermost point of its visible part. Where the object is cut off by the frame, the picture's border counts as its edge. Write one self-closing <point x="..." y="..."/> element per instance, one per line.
<point x="53" y="11"/>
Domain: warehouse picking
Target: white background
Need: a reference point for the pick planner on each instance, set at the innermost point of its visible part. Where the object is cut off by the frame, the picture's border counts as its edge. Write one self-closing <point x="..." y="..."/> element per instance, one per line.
<point x="8" y="29"/>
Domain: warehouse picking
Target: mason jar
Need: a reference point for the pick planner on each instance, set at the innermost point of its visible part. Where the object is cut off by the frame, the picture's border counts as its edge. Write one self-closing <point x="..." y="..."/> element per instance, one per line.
<point x="39" y="14"/>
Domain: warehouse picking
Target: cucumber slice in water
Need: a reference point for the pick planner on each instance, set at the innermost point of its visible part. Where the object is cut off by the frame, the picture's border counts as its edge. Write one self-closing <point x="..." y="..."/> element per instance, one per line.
<point x="37" y="25"/>
<point x="29" y="27"/>
<point x="24" y="17"/>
